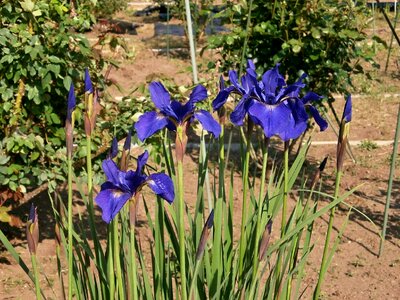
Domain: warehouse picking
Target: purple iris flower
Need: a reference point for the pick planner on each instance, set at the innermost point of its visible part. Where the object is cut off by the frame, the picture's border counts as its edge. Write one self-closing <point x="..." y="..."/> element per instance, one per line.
<point x="172" y="114"/>
<point x="245" y="90"/>
<point x="274" y="105"/>
<point x="123" y="186"/>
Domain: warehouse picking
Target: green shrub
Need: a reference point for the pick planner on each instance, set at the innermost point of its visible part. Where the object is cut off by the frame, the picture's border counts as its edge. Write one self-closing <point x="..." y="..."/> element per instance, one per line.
<point x="40" y="55"/>
<point x="325" y="39"/>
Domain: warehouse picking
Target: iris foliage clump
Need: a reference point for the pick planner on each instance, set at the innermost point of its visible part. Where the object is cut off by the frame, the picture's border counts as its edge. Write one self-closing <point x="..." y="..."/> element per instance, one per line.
<point x="198" y="251"/>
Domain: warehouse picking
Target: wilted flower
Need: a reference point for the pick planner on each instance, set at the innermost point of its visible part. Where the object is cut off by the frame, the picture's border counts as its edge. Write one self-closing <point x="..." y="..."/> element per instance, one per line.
<point x="32" y="230"/>
<point x="265" y="241"/>
<point x="271" y="103"/>
<point x="123" y="186"/>
<point x="344" y="133"/>
<point x="175" y="115"/>
<point x="204" y="235"/>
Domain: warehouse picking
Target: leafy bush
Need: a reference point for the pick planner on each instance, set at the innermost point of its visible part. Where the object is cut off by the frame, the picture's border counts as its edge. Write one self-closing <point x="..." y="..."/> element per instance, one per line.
<point x="107" y="8"/>
<point x="40" y="55"/>
<point x="325" y="39"/>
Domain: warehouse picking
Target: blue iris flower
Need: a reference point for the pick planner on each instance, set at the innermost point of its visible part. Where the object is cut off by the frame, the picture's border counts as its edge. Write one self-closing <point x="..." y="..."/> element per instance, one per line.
<point x="271" y="103"/>
<point x="172" y="114"/>
<point x="123" y="186"/>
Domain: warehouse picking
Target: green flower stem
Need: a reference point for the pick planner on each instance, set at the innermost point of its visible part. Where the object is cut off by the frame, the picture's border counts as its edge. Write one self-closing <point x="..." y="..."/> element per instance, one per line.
<point x="279" y="276"/>
<point x="36" y="274"/>
<point x="285" y="187"/>
<point x="110" y="263"/>
<point x="117" y="259"/>
<point x="194" y="280"/>
<point x="133" y="278"/>
<point x="181" y="209"/>
<point x="70" y="241"/>
<point x="245" y="183"/>
<point x="390" y="182"/>
<point x="324" y="262"/>
<point x="260" y="207"/>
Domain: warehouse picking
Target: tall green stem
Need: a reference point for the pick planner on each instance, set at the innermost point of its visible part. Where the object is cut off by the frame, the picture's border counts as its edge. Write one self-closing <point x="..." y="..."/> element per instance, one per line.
<point x="36" y="274"/>
<point x="260" y="208"/>
<point x="110" y="263"/>
<point x="278" y="269"/>
<point x="70" y="242"/>
<point x="133" y="277"/>
<point x="285" y="187"/>
<point x="117" y="259"/>
<point x="245" y="183"/>
<point x="194" y="280"/>
<point x="246" y="39"/>
<point x="324" y="265"/>
<point x="390" y="182"/>
<point x="181" y="209"/>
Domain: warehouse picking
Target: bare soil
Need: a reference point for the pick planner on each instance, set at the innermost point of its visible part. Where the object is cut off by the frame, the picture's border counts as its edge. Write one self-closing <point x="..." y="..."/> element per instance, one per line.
<point x="356" y="272"/>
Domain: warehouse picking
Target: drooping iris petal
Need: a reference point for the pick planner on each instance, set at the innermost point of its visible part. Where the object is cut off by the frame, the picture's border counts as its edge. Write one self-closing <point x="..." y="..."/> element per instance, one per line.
<point x="111" y="202"/>
<point x="150" y="123"/>
<point x="71" y="104"/>
<point x="162" y="185"/>
<point x="317" y="117"/>
<point x="272" y="118"/>
<point x="347" y="113"/>
<point x="292" y="129"/>
<point x="238" y="114"/>
<point x="199" y="93"/>
<point x="208" y="122"/>
<point x="159" y="95"/>
<point x="88" y="82"/>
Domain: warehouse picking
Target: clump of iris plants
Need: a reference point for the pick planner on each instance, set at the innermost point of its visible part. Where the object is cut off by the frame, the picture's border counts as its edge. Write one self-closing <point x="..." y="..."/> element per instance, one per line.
<point x="192" y="252"/>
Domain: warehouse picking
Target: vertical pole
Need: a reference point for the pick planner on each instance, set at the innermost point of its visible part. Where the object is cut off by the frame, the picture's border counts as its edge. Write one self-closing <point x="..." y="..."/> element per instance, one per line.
<point x="191" y="41"/>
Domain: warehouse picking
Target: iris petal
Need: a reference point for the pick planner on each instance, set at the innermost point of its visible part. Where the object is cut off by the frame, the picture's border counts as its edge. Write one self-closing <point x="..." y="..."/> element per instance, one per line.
<point x="222" y="97"/>
<point x="150" y="123"/>
<point x="272" y="118"/>
<point x="162" y="185"/>
<point x="272" y="80"/>
<point x="238" y="114"/>
<point x="208" y="122"/>
<point x="347" y="113"/>
<point x="198" y="94"/>
<point x="111" y="201"/>
<point x="310" y="97"/>
<point x="317" y="117"/>
<point x="141" y="161"/>
<point x="111" y="170"/>
<point x="233" y="77"/>
<point x="159" y="95"/>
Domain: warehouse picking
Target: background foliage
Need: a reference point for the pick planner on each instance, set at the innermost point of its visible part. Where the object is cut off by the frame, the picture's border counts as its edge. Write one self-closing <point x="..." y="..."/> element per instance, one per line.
<point x="325" y="39"/>
<point x="41" y="53"/>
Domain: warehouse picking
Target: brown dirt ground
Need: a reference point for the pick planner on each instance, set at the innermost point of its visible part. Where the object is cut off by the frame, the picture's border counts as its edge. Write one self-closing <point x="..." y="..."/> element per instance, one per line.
<point x="356" y="271"/>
